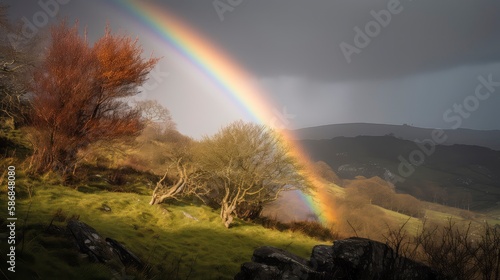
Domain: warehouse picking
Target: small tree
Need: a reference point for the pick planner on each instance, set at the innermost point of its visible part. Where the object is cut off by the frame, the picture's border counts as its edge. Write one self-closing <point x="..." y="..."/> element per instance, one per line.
<point x="181" y="177"/>
<point x="247" y="164"/>
<point x="80" y="92"/>
<point x="182" y="182"/>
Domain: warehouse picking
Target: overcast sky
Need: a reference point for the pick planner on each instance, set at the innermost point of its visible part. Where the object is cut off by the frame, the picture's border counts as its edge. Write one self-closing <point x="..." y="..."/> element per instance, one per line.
<point x="324" y="62"/>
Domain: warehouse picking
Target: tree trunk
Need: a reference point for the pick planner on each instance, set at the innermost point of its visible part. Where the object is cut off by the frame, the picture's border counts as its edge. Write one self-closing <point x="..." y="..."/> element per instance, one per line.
<point x="154" y="199"/>
<point x="163" y="192"/>
<point x="226" y="214"/>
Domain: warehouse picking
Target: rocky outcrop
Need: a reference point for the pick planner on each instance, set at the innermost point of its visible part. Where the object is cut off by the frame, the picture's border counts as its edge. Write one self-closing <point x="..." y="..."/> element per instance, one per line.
<point x="90" y="242"/>
<point x="321" y="260"/>
<point x="353" y="258"/>
<point x="253" y="270"/>
<point x="287" y="263"/>
<point x="107" y="251"/>
<point x="360" y="258"/>
<point x="126" y="257"/>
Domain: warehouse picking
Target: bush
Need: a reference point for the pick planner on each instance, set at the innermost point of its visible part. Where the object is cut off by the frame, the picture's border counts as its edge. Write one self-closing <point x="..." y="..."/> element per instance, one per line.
<point x="312" y="229"/>
<point x="378" y="192"/>
<point x="456" y="251"/>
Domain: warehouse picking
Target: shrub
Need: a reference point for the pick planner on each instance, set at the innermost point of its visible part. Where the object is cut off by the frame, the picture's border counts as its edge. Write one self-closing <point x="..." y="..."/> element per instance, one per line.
<point x="312" y="229"/>
<point x="456" y="251"/>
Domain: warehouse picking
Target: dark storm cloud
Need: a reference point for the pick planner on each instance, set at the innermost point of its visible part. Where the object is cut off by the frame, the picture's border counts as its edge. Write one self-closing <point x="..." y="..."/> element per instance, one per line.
<point x="302" y="38"/>
<point x="423" y="62"/>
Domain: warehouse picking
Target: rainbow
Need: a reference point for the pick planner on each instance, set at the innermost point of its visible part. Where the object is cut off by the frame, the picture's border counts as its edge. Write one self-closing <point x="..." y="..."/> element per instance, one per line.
<point x="228" y="76"/>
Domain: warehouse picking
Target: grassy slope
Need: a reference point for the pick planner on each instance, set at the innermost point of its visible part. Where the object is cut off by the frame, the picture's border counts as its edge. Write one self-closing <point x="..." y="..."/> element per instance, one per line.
<point x="434" y="214"/>
<point x="161" y="235"/>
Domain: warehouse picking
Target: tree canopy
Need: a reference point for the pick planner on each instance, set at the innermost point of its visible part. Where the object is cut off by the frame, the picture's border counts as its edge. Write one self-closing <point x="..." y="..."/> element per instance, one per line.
<point x="80" y="94"/>
<point x="246" y="163"/>
<point x="239" y="169"/>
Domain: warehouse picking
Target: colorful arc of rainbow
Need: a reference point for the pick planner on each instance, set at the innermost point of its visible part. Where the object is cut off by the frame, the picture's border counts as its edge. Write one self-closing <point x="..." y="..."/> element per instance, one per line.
<point x="230" y="77"/>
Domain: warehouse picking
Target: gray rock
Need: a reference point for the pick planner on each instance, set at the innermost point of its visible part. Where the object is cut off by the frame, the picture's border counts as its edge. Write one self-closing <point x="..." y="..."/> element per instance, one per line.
<point x="290" y="266"/>
<point x="364" y="259"/>
<point x="126" y="257"/>
<point x="322" y="259"/>
<point x="252" y="270"/>
<point x="105" y="208"/>
<point x="189" y="216"/>
<point x="275" y="256"/>
<point x="353" y="258"/>
<point x="90" y="242"/>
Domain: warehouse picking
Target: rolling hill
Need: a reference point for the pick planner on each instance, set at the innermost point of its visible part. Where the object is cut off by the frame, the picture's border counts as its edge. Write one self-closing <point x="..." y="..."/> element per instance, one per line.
<point x="483" y="138"/>
<point x="462" y="176"/>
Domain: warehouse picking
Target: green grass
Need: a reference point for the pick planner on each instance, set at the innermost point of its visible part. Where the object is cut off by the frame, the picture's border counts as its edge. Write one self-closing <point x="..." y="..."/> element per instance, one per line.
<point x="439" y="215"/>
<point x="160" y="235"/>
<point x="493" y="216"/>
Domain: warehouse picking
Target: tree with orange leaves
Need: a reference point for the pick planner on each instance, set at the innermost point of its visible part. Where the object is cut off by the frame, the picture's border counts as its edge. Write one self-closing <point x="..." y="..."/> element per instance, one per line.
<point x="80" y="95"/>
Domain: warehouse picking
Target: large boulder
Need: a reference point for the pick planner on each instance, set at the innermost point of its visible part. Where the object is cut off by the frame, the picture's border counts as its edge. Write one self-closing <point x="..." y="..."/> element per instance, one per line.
<point x="108" y="251"/>
<point x="90" y="242"/>
<point x="353" y="258"/>
<point x="274" y="263"/>
<point x="322" y="260"/>
<point x="252" y="270"/>
<point x="365" y="259"/>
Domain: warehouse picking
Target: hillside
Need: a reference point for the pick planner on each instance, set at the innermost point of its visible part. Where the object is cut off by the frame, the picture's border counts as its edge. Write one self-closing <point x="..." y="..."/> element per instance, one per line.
<point x="183" y="240"/>
<point x="462" y="176"/>
<point x="483" y="138"/>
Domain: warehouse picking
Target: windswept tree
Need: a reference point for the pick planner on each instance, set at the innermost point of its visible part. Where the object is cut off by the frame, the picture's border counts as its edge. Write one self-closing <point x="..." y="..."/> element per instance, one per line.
<point x="181" y="179"/>
<point x="174" y="153"/>
<point x="248" y="164"/>
<point x="80" y="94"/>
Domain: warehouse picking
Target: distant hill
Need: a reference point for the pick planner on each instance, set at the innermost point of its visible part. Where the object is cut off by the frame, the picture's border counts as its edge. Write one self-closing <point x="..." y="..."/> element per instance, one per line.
<point x="483" y="138"/>
<point x="462" y="176"/>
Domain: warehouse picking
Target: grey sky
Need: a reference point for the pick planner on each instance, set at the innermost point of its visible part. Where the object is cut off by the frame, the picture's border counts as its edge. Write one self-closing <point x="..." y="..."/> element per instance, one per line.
<point x="424" y="60"/>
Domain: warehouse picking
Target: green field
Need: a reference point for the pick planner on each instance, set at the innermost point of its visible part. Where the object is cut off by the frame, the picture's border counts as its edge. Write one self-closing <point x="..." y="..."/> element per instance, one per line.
<point x="163" y="236"/>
